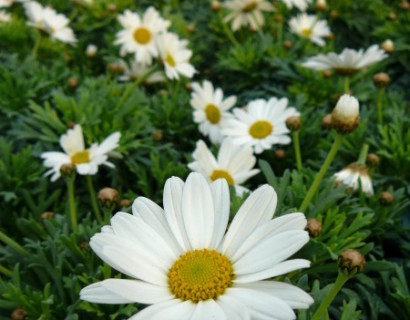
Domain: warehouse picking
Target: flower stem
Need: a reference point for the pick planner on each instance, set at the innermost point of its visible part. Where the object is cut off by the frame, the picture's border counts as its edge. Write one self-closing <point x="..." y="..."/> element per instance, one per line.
<point x="313" y="188"/>
<point x="12" y="244"/>
<point x="94" y="199"/>
<point x="296" y="145"/>
<point x="107" y="215"/>
<point x="363" y="154"/>
<point x="379" y="105"/>
<point x="228" y="31"/>
<point x="73" y="213"/>
<point x="36" y="46"/>
<point x="347" y="86"/>
<point x="340" y="281"/>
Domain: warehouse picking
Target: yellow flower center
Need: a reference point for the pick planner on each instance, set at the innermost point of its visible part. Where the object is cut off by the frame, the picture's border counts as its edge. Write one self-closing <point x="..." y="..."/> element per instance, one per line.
<point x="250" y="7"/>
<point x="81" y="157"/>
<point x="142" y="35"/>
<point x="170" y="60"/>
<point x="222" y="174"/>
<point x="213" y="114"/>
<point x="261" y="129"/>
<point x="200" y="275"/>
<point x="306" y="33"/>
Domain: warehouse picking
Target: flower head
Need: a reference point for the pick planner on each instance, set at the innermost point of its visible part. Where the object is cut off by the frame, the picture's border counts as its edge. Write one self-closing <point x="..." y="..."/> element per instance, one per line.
<point x="345" y="116"/>
<point x="234" y="164"/>
<point x="183" y="262"/>
<point x="300" y="4"/>
<point x="210" y="109"/>
<point x="247" y="12"/>
<point x="139" y="34"/>
<point x="307" y="26"/>
<point x="350" y="178"/>
<point x="136" y="70"/>
<point x="86" y="161"/>
<point x="261" y="125"/>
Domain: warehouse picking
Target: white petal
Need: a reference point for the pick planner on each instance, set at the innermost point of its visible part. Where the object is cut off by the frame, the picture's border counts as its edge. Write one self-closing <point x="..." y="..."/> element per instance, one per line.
<point x="221" y="199"/>
<point x="233" y="308"/>
<point x="209" y="309"/>
<point x="169" y="310"/>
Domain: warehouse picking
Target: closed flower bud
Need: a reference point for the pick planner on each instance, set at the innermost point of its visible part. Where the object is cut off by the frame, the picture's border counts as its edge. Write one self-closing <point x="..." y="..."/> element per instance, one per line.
<point x="314" y="227"/>
<point x="321" y="5"/>
<point x="279" y="154"/>
<point x="108" y="198"/>
<point x="190" y="28"/>
<point x="18" y="314"/>
<point x="351" y="262"/>
<point x="216" y="6"/>
<point x="91" y="51"/>
<point x="124" y="203"/>
<point x="388" y="46"/>
<point x="293" y="123"/>
<point x="327" y="73"/>
<point x="287" y="44"/>
<point x="381" y="80"/>
<point x="386" y="198"/>
<point x="115" y="68"/>
<point x="47" y="215"/>
<point x="84" y="246"/>
<point x="188" y="86"/>
<point x="68" y="170"/>
<point x="327" y="122"/>
<point x="405" y="5"/>
<point x="112" y="7"/>
<point x="372" y="160"/>
<point x="72" y="83"/>
<point x="158" y="135"/>
<point x="334" y="14"/>
<point x="70" y="124"/>
<point x="345" y="116"/>
<point x="392" y="16"/>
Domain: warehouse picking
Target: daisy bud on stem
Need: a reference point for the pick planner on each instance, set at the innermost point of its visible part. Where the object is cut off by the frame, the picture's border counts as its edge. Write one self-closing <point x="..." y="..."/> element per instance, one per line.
<point x="350" y="262"/>
<point x="388" y="46"/>
<point x="386" y="198"/>
<point x="108" y="198"/>
<point x="372" y="160"/>
<point x="68" y="172"/>
<point x="18" y="314"/>
<point x="314" y="227"/>
<point x="327" y="122"/>
<point x="381" y="81"/>
<point x="294" y="124"/>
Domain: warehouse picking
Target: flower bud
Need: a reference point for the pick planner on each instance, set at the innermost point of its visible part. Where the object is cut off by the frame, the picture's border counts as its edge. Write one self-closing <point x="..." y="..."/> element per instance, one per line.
<point x="287" y="44"/>
<point x="351" y="262"/>
<point x="345" y="116"/>
<point x="388" y="46"/>
<point x="334" y="14"/>
<point x="327" y="122"/>
<point x="47" y="215"/>
<point x="70" y="124"/>
<point x="188" y="86"/>
<point x="158" y="136"/>
<point x="372" y="160"/>
<point x="314" y="227"/>
<point x="279" y="154"/>
<point x="216" y="6"/>
<point x="386" y="198"/>
<point x="84" y="246"/>
<point x="125" y="203"/>
<point x="392" y="16"/>
<point x="112" y="7"/>
<point x="115" y="68"/>
<point x="405" y="5"/>
<point x="72" y="83"/>
<point x="327" y="73"/>
<point x="108" y="198"/>
<point x="321" y="5"/>
<point x="330" y="36"/>
<point x="91" y="51"/>
<point x="18" y="314"/>
<point x="68" y="170"/>
<point x="294" y="123"/>
<point x="381" y="80"/>
<point x="190" y="28"/>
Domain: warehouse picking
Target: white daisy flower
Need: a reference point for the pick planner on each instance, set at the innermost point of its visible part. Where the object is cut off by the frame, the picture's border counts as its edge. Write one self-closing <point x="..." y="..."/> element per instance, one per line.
<point x="4" y="16"/>
<point x="49" y="21"/>
<point x="175" y="56"/>
<point x="247" y="12"/>
<point x="210" y="109"/>
<point x="139" y="34"/>
<point x="183" y="262"/>
<point x="234" y="163"/>
<point x="300" y="4"/>
<point x="350" y="177"/>
<point x="9" y="3"/>
<point x="136" y="70"/>
<point x="348" y="62"/>
<point x="307" y="26"/>
<point x="261" y="125"/>
<point x="85" y="160"/>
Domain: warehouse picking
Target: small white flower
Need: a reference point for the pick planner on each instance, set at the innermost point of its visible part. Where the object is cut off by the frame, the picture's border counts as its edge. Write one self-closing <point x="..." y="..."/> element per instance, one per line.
<point x="183" y="262"/>
<point x="347" y="62"/>
<point x="139" y="34"/>
<point x="234" y="163"/>
<point x="4" y="16"/>
<point x="85" y="160"/>
<point x="175" y="56"/>
<point x="350" y="177"/>
<point x="307" y="26"/>
<point x="210" y="109"/>
<point x="91" y="50"/>
<point x="136" y="70"/>
<point x="49" y="21"/>
<point x="300" y="4"/>
<point x="247" y="12"/>
<point x="261" y="125"/>
<point x="345" y="116"/>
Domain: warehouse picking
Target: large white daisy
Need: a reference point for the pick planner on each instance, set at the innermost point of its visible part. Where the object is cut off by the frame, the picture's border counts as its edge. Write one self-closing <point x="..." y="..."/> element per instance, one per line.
<point x="139" y="34"/>
<point x="261" y="125"/>
<point x="86" y="161"/>
<point x="210" y="109"/>
<point x="348" y="62"/>
<point x="183" y="262"/>
<point x="307" y="26"/>
<point x="300" y="4"/>
<point x="136" y="70"/>
<point x="351" y="175"/>
<point x="175" y="56"/>
<point x="247" y="12"/>
<point x="234" y="163"/>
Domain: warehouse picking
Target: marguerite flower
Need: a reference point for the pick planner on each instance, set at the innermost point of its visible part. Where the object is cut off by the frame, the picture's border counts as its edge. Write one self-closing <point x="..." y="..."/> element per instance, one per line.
<point x="49" y="21"/>
<point x="348" y="62"/>
<point x="261" y="125"/>
<point x="4" y="16"/>
<point x="300" y="4"/>
<point x="175" y="56"/>
<point x="307" y="26"/>
<point x="136" y="70"/>
<point x="247" y="12"/>
<point x="183" y="262"/>
<point x="210" y="109"/>
<point x="234" y="163"/>
<point x="139" y="34"/>
<point x="85" y="160"/>
<point x="350" y="177"/>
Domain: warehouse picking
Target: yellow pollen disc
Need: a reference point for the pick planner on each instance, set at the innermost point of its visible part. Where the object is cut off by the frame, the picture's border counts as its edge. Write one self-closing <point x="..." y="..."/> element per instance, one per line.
<point x="200" y="275"/>
<point x="222" y="174"/>
<point x="170" y="60"/>
<point x="250" y="7"/>
<point x="142" y="35"/>
<point x="81" y="157"/>
<point x="260" y="129"/>
<point x="213" y="114"/>
<point x="306" y="32"/>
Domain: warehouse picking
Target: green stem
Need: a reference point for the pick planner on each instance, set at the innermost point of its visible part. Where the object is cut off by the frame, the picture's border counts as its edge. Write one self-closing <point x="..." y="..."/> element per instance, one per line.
<point x="340" y="281"/>
<point x="228" y="31"/>
<point x="5" y="271"/>
<point x="322" y="172"/>
<point x="296" y="145"/>
<point x="12" y="244"/>
<point x="363" y="154"/>
<point x="280" y="31"/>
<point x="379" y="105"/>
<point x="73" y="213"/>
<point x="36" y="45"/>
<point x="107" y="215"/>
<point x="94" y="199"/>
<point x="347" y="86"/>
